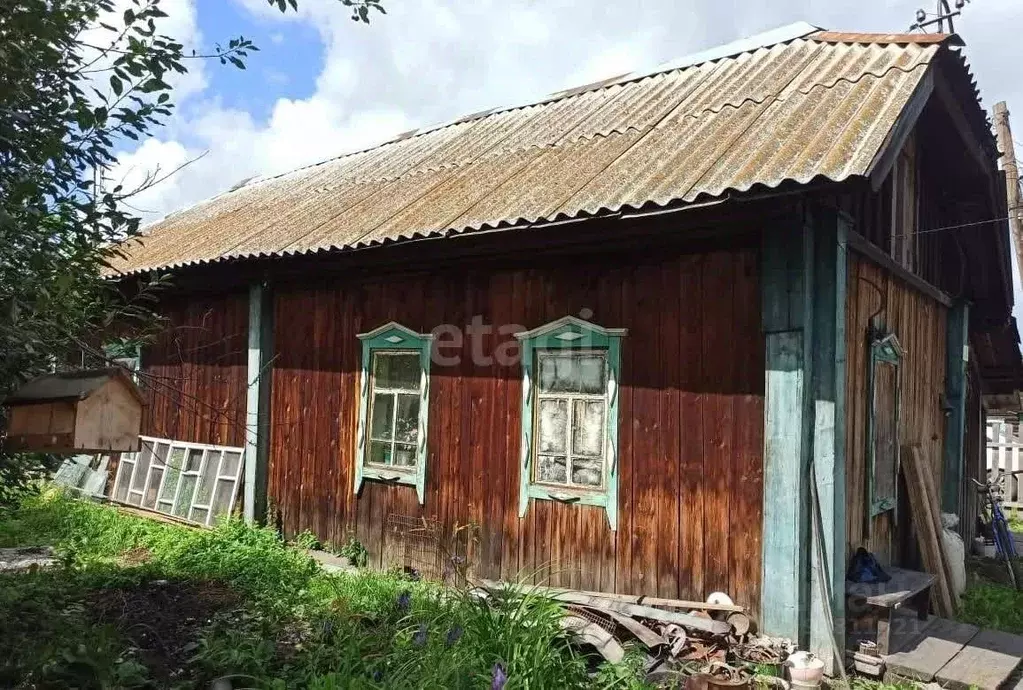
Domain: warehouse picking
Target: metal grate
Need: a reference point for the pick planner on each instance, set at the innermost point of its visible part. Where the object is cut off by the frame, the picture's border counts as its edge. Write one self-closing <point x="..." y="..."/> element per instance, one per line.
<point x="413" y="545"/>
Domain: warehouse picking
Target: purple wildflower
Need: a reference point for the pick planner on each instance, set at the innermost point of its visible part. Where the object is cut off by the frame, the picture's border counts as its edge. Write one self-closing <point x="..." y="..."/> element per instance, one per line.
<point x="419" y="639"/>
<point x="404" y="601"/>
<point x="454" y="635"/>
<point x="378" y="675"/>
<point x="499" y="678"/>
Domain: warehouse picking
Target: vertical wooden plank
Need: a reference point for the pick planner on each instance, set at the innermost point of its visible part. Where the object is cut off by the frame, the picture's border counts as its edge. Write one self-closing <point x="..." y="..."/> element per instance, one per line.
<point x="511" y="424"/>
<point x="626" y="450"/>
<point x="719" y="416"/>
<point x="667" y="476"/>
<point x="257" y="438"/>
<point x="693" y="382"/>
<point x="787" y="429"/>
<point x="746" y="489"/>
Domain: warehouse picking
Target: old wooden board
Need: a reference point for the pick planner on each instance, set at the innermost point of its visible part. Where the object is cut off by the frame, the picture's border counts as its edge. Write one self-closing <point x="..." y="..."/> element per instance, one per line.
<point x="920" y="656"/>
<point x="986" y="662"/>
<point x="892" y="594"/>
<point x="925" y="526"/>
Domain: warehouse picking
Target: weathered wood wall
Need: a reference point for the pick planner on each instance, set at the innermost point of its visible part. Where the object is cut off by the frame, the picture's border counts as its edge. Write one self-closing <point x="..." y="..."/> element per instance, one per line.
<point x="920" y="323"/>
<point x="194" y="374"/>
<point x="691" y="419"/>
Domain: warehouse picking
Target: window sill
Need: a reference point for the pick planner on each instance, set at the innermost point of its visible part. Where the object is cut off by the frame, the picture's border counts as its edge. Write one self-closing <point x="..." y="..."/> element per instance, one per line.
<point x="390" y="476"/>
<point x="546" y="493"/>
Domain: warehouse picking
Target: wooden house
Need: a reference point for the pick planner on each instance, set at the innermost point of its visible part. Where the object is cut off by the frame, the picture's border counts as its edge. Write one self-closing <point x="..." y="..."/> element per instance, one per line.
<point x="642" y="335"/>
<point x="95" y="410"/>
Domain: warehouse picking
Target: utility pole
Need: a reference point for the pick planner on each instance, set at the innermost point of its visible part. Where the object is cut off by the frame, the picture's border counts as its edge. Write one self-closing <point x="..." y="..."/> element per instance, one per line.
<point x="1005" y="143"/>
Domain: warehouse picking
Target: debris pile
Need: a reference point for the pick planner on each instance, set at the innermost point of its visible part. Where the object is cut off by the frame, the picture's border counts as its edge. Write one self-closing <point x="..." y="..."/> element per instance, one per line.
<point x="713" y="643"/>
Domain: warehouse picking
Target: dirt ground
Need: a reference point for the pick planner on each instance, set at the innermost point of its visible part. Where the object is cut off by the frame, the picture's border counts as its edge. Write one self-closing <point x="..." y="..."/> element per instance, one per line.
<point x="162" y="618"/>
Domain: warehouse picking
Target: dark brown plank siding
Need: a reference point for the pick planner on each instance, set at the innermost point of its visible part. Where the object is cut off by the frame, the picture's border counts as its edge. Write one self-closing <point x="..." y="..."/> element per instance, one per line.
<point x="194" y="377"/>
<point x="691" y="420"/>
<point x="920" y="323"/>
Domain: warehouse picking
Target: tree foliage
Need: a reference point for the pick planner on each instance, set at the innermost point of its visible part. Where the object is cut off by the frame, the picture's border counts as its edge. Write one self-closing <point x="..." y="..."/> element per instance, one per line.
<point x="78" y="80"/>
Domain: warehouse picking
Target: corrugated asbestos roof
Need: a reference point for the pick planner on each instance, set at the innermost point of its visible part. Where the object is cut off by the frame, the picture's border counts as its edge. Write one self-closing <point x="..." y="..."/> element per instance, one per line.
<point x="802" y="105"/>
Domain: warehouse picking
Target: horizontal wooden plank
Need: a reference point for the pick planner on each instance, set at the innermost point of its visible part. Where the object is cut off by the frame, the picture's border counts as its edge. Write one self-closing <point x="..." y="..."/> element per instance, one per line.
<point x="986" y="662"/>
<point x="922" y="655"/>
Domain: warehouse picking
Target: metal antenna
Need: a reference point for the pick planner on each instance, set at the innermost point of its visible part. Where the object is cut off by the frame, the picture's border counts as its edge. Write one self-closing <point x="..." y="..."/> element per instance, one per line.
<point x="943" y="13"/>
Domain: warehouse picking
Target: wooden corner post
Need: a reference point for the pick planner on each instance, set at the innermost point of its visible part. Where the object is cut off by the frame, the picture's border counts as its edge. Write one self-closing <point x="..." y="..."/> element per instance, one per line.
<point x="257" y="404"/>
<point x="827" y="470"/>
<point x="804" y="294"/>
<point x="787" y="273"/>
<point x="956" y="354"/>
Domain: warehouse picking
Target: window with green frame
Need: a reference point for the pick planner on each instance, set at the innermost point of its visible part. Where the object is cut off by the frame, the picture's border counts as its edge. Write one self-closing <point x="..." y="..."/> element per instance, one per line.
<point x="394" y="396"/>
<point x="570" y="374"/>
<point x="883" y="399"/>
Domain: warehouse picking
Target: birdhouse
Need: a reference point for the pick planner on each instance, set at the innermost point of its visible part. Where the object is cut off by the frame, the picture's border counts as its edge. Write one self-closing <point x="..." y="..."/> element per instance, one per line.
<point x="94" y="411"/>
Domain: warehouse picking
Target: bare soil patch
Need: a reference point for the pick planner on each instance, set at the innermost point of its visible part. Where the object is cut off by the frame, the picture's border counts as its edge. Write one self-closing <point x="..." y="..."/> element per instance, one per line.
<point x="162" y="619"/>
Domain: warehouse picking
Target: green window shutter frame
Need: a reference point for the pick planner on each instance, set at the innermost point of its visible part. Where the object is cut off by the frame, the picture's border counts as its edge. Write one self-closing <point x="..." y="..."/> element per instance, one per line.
<point x="883" y="350"/>
<point x="391" y="337"/>
<point x="570" y="333"/>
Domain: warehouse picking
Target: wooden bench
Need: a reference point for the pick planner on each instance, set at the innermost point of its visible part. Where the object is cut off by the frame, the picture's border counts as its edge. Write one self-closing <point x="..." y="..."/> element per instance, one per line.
<point x="905" y="587"/>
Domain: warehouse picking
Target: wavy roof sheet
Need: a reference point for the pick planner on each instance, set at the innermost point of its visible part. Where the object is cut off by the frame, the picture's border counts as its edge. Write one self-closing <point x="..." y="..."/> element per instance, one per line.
<point x="799" y="105"/>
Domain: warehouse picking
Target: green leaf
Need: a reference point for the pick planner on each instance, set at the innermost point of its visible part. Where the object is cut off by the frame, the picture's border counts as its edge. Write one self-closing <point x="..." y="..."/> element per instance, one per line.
<point x="236" y="62"/>
<point x="116" y="85"/>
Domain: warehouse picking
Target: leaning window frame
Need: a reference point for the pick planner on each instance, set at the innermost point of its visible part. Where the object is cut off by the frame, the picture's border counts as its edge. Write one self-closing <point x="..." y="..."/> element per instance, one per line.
<point x="886" y="350"/>
<point x="570" y="334"/>
<point x="393" y="337"/>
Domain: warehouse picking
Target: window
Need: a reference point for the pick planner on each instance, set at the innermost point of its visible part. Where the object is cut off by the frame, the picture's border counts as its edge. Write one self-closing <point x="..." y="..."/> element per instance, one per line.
<point x="394" y="401"/>
<point x="883" y="423"/>
<point x="192" y="481"/>
<point x="569" y="441"/>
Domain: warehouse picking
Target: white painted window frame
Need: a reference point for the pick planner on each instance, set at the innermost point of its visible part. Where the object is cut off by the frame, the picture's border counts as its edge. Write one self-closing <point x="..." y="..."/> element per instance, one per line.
<point x="209" y="452"/>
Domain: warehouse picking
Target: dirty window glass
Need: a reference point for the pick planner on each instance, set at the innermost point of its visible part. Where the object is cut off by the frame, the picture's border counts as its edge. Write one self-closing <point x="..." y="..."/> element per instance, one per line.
<point x="394" y="409"/>
<point x="570" y="419"/>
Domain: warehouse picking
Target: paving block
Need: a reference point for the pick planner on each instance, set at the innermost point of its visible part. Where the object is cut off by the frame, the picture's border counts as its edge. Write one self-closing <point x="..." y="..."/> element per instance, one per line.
<point x="987" y="662"/>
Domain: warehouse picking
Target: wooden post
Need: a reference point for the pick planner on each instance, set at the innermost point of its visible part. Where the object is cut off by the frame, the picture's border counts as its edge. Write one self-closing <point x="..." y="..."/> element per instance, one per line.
<point x="804" y="304"/>
<point x="257" y="407"/>
<point x="827" y="503"/>
<point x="1005" y="143"/>
<point x="787" y="321"/>
<point x="957" y="355"/>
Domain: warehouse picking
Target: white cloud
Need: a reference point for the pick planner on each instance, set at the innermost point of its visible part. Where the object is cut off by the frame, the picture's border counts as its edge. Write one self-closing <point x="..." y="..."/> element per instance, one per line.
<point x="427" y="61"/>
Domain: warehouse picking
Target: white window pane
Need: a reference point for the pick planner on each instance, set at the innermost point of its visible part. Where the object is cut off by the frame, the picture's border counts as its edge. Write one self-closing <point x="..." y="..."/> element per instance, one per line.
<point x="194" y="460"/>
<point x="177" y="457"/>
<point x="588" y="428"/>
<point x="222" y="497"/>
<point x="407" y="422"/>
<point x="207" y="479"/>
<point x="591" y="374"/>
<point x="553" y="426"/>
<point x="380" y="452"/>
<point x="586" y="474"/>
<point x="382" y="426"/>
<point x="184" y="501"/>
<point x="558" y="374"/>
<point x="404" y="455"/>
<point x="199" y="515"/>
<point x="396" y="370"/>
<point x="155" y="475"/>
<point x="138" y="483"/>
<point x="552" y="470"/>
<point x="230" y="466"/>
<point x="123" y="477"/>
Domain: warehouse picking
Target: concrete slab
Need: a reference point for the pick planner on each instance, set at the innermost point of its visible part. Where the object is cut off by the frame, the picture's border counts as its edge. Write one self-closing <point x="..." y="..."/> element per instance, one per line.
<point x="987" y="662"/>
<point x="922" y="655"/>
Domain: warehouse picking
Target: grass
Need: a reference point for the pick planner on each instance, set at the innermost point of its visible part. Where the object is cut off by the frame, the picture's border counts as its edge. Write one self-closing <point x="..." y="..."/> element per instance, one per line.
<point x="138" y="603"/>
